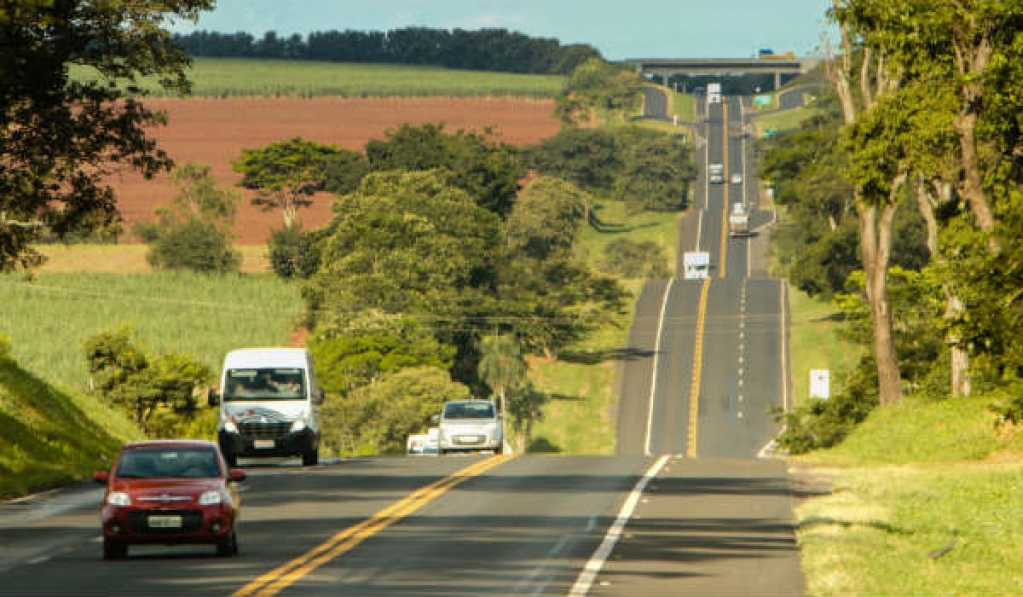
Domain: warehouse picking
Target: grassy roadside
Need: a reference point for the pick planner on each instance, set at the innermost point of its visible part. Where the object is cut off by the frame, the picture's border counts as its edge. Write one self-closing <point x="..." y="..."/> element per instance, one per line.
<point x="815" y="342"/>
<point x="907" y="482"/>
<point x="48" y="437"/>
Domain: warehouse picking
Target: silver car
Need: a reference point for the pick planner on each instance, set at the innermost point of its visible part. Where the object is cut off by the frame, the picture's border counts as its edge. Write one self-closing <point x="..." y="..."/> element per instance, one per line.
<point x="470" y="426"/>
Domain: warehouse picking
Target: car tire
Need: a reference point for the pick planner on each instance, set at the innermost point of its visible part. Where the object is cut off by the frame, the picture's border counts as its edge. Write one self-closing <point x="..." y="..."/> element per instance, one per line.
<point x="114" y="550"/>
<point x="311" y="457"/>
<point x="499" y="449"/>
<point x="228" y="546"/>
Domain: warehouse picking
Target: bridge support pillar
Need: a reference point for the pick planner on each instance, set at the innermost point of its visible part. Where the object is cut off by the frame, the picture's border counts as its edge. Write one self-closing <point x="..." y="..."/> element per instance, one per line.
<point x="777" y="80"/>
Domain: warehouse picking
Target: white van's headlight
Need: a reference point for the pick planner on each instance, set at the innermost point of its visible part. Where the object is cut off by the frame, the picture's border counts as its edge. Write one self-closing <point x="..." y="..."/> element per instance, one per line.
<point x="230" y="427"/>
<point x="298" y="425"/>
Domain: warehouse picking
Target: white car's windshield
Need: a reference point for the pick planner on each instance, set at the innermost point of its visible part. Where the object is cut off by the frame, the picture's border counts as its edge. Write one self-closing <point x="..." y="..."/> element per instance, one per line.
<point x="468" y="410"/>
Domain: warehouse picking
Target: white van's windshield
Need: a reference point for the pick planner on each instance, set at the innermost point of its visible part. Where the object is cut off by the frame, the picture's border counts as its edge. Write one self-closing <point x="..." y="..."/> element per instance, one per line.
<point x="264" y="384"/>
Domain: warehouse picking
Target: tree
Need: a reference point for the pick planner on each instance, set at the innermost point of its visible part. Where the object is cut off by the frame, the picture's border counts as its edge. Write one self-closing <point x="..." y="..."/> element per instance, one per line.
<point x="501" y="365"/>
<point x="406" y="242"/>
<point x="360" y="350"/>
<point x="61" y="135"/>
<point x="546" y="217"/>
<point x="489" y="172"/>
<point x="379" y="417"/>
<point x="656" y="172"/>
<point x="597" y="86"/>
<point x="286" y="174"/>
<point x="141" y="385"/>
<point x="587" y="157"/>
<point x="194" y="231"/>
<point x="877" y="182"/>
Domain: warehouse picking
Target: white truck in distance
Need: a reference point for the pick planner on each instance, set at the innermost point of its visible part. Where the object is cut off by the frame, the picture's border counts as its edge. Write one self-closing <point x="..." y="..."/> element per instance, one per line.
<point x="695" y="265"/>
<point x="269" y="405"/>
<point x="738" y="221"/>
<point x="713" y="93"/>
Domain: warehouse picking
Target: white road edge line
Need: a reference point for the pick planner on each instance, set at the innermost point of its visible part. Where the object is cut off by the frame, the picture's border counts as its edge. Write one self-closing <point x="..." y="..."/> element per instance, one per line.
<point x="592" y="569"/>
<point x="653" y="376"/>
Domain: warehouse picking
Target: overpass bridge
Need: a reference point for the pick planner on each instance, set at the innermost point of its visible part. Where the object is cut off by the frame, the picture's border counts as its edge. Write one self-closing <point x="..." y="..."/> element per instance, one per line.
<point x="776" y="65"/>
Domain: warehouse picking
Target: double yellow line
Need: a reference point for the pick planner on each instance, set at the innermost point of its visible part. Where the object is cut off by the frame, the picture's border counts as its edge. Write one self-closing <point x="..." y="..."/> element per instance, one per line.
<point x="278" y="579"/>
<point x="725" y="173"/>
<point x="694" y="388"/>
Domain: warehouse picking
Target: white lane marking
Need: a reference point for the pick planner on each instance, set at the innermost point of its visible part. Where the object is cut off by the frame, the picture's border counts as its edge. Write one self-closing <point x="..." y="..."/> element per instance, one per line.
<point x="592" y="569"/>
<point x="40" y="559"/>
<point x="591" y="525"/>
<point x="653" y="376"/>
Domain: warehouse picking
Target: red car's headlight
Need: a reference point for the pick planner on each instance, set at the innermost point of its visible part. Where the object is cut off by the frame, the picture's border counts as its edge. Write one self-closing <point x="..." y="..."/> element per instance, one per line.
<point x="210" y="498"/>
<point x="118" y="498"/>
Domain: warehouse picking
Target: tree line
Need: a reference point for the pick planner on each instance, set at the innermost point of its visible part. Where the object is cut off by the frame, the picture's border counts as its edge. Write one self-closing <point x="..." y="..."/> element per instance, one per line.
<point x="907" y="194"/>
<point x="485" y="49"/>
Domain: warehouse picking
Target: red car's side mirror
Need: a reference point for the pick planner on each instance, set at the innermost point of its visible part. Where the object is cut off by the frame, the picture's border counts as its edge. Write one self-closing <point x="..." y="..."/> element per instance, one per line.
<point x="236" y="475"/>
<point x="101" y="477"/>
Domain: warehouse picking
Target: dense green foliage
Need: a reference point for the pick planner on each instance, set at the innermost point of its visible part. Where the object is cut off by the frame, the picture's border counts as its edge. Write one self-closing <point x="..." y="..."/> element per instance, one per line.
<point x="194" y="231"/>
<point x="484" y="49"/>
<point x="597" y="88"/>
<point x="160" y="394"/>
<point x="54" y="159"/>
<point x="475" y="163"/>
<point x="195" y="244"/>
<point x="294" y="253"/>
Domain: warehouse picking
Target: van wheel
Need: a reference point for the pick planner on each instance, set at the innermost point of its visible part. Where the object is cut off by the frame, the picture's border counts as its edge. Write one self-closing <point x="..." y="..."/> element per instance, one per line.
<point x="114" y="550"/>
<point x="311" y="457"/>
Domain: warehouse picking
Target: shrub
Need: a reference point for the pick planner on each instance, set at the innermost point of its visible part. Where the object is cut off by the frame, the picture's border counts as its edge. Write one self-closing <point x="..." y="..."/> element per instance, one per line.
<point x="293" y="253"/>
<point x="194" y="245"/>
<point x="819" y="423"/>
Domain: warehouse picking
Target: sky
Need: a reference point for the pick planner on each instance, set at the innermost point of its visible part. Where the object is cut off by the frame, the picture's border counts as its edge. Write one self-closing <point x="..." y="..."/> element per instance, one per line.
<point x="620" y="29"/>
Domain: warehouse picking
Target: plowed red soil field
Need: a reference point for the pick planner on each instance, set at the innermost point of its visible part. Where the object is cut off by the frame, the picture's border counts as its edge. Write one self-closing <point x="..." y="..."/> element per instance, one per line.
<point x="214" y="131"/>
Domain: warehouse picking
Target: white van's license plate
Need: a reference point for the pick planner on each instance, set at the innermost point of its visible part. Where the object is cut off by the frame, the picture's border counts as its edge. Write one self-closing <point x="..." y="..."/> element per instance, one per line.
<point x="263" y="444"/>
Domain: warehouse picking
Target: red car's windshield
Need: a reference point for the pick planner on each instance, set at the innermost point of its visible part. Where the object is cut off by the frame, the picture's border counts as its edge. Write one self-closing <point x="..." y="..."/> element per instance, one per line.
<point x="160" y="463"/>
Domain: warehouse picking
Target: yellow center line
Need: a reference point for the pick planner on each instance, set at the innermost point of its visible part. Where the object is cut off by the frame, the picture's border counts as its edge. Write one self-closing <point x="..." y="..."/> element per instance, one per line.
<point x="694" y="388"/>
<point x="724" y="165"/>
<point x="344" y="541"/>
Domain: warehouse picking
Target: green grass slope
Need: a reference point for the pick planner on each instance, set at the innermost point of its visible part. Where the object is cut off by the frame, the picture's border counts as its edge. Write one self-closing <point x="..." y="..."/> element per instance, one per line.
<point x="45" y="437"/>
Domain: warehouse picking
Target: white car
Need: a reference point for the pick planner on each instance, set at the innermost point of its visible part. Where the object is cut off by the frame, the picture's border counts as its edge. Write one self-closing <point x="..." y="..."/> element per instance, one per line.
<point x="422" y="444"/>
<point x="470" y="426"/>
<point x="737" y="179"/>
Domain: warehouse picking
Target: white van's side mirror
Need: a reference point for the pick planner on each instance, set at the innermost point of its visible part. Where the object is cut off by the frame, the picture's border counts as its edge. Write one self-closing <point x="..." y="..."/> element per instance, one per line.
<point x="212" y="397"/>
<point x="318" y="396"/>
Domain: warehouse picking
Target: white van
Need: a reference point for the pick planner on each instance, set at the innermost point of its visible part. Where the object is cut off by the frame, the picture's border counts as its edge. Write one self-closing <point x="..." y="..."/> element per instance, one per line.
<point x="269" y="405"/>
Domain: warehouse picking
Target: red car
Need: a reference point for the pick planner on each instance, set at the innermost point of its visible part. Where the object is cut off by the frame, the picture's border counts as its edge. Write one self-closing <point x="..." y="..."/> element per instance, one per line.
<point x="169" y="492"/>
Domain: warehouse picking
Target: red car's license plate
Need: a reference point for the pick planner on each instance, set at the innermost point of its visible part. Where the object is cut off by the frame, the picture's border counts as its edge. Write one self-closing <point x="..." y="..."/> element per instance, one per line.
<point x="164" y="522"/>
